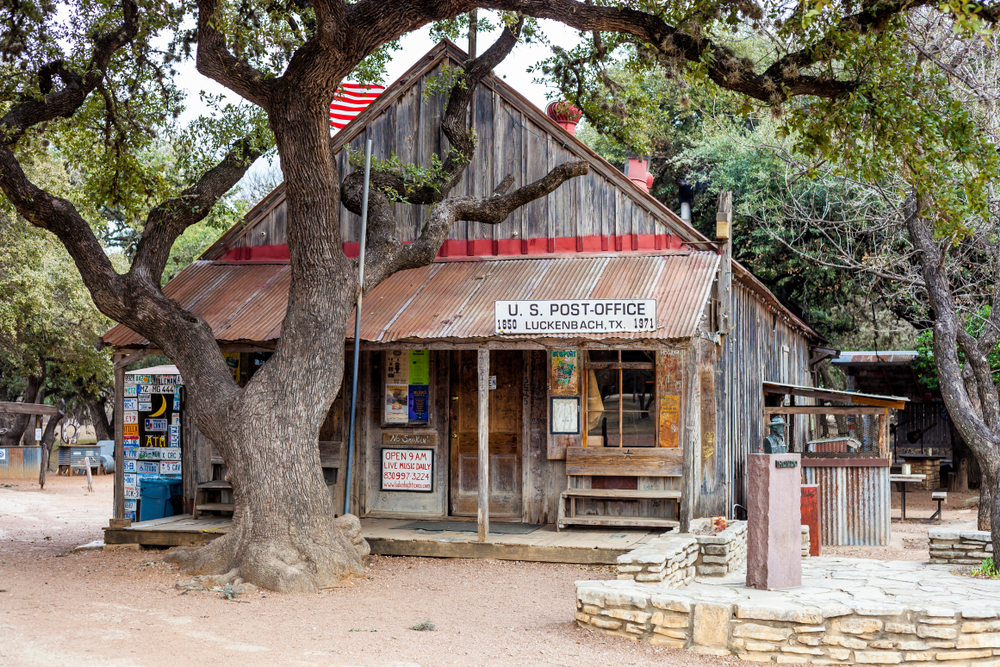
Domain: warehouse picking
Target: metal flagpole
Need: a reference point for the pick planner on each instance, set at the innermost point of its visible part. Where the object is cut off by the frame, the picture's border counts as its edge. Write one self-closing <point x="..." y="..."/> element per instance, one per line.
<point x="357" y="329"/>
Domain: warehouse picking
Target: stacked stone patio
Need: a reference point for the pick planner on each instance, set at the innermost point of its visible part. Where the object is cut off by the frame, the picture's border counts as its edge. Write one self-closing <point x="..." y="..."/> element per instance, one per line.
<point x="847" y="611"/>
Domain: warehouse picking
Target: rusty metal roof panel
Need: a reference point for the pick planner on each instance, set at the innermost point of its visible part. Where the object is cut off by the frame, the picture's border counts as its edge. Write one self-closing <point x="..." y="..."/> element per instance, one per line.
<point x="239" y="301"/>
<point x="450" y="300"/>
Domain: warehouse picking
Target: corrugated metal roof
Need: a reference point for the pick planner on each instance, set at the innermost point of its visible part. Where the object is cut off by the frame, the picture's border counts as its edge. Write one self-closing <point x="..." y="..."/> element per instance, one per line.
<point x="872" y="357"/>
<point x="239" y="301"/>
<point x="454" y="300"/>
<point x="449" y="300"/>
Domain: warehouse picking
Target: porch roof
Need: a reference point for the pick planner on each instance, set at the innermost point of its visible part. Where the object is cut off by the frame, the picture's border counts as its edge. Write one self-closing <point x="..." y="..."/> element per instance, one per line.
<point x="450" y="300"/>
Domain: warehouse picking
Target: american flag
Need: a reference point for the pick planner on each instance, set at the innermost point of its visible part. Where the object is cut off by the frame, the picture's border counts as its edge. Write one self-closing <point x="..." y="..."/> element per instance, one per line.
<point x="350" y="100"/>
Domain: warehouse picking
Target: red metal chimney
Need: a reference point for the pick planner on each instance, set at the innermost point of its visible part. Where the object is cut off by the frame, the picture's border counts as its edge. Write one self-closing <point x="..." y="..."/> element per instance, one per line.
<point x="637" y="170"/>
<point x="565" y="114"/>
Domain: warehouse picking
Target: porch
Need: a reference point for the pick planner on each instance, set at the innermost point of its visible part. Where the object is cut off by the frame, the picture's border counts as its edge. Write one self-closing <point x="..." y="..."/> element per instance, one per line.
<point x="405" y="537"/>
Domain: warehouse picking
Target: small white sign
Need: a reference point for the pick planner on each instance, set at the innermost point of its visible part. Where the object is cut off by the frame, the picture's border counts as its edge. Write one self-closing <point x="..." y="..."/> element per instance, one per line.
<point x="568" y="316"/>
<point x="408" y="470"/>
<point x="131" y="493"/>
<point x="493" y="382"/>
<point x="131" y="479"/>
<point x="130" y="417"/>
<point x="147" y="467"/>
<point x="130" y="404"/>
<point x="170" y="454"/>
<point x="170" y="467"/>
<point x="128" y="466"/>
<point x="3" y="454"/>
<point x="38" y="434"/>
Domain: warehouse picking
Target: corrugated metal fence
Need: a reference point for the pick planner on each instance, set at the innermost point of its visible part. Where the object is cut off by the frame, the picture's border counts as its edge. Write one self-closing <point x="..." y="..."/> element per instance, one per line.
<point x="20" y="462"/>
<point x="854" y="504"/>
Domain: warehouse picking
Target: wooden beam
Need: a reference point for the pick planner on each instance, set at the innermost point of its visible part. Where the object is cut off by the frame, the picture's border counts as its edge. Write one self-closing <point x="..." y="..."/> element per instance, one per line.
<point x="29" y="409"/>
<point x="138" y="355"/>
<point x="483" y="512"/>
<point x="119" y="438"/>
<point x="626" y="461"/>
<point x="822" y="410"/>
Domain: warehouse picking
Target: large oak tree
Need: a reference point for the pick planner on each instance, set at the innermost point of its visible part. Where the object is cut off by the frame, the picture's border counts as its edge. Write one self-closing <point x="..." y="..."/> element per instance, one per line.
<point x="105" y="74"/>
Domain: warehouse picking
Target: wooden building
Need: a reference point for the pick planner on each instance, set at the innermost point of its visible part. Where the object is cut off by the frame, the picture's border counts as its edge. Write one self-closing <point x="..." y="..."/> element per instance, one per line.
<point x="637" y="408"/>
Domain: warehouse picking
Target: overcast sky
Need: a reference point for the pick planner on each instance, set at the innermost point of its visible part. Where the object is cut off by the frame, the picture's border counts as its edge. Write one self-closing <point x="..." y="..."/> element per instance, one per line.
<point x="415" y="45"/>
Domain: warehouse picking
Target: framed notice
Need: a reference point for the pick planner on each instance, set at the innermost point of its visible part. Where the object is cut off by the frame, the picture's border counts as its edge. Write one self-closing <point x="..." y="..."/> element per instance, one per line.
<point x="397" y="399"/>
<point x="565" y="415"/>
<point x="408" y="470"/>
<point x="420" y="367"/>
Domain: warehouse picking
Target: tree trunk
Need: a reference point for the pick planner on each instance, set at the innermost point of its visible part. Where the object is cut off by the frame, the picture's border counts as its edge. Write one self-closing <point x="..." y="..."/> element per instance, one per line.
<point x="48" y="437"/>
<point x="986" y="487"/>
<point x="99" y="417"/>
<point x="289" y="538"/>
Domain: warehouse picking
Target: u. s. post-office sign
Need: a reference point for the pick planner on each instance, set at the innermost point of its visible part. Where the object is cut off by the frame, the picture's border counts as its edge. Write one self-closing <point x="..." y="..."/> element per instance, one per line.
<point x="575" y="316"/>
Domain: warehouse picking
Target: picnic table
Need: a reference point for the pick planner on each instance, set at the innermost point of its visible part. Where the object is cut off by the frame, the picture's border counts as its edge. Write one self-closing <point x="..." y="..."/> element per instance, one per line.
<point x="903" y="481"/>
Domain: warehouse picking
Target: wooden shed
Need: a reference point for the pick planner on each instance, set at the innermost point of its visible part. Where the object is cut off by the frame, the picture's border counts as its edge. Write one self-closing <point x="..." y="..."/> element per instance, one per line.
<point x="618" y="353"/>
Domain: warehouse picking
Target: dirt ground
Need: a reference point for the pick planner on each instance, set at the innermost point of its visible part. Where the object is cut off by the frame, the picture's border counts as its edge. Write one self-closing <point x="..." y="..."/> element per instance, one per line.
<point x="120" y="608"/>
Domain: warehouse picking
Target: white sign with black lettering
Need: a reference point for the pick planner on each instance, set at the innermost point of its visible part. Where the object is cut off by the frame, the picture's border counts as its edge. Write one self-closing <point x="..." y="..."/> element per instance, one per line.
<point x="568" y="316"/>
<point x="407" y="470"/>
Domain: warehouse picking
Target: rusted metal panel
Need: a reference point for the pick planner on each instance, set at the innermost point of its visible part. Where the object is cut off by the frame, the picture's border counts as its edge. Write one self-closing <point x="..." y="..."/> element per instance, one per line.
<point x="451" y="299"/>
<point x="854" y="504"/>
<point x="20" y="462"/>
<point x="239" y="301"/>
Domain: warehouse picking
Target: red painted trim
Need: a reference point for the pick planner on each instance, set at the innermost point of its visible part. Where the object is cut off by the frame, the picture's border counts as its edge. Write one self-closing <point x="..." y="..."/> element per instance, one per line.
<point x="453" y="248"/>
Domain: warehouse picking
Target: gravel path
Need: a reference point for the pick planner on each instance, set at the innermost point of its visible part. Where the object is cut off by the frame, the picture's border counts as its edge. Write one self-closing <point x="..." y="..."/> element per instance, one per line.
<point x="120" y="608"/>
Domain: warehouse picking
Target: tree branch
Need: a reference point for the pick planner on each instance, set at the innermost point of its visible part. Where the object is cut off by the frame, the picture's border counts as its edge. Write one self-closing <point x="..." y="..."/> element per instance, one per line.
<point x="216" y="61"/>
<point x="169" y="220"/>
<point x="491" y="210"/>
<point x="63" y="103"/>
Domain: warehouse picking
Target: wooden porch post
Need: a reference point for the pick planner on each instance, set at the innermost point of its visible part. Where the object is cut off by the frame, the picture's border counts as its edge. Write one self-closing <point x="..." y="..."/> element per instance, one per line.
<point x="483" y="512"/>
<point x="119" y="438"/>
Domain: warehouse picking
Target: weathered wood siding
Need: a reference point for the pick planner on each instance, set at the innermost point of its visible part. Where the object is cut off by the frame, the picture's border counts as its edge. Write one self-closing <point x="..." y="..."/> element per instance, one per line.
<point x="763" y="346"/>
<point x="588" y="213"/>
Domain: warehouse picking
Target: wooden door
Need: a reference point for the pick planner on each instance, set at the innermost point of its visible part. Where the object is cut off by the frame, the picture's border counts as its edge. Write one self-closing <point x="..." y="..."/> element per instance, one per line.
<point x="505" y="433"/>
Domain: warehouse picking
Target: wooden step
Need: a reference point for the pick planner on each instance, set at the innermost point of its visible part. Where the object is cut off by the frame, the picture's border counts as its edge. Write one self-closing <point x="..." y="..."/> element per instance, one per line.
<point x="622" y="494"/>
<point x="215" y="485"/>
<point x="218" y="507"/>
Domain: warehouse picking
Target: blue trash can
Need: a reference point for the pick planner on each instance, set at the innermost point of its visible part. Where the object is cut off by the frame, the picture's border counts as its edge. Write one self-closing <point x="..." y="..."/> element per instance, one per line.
<point x="154" y="497"/>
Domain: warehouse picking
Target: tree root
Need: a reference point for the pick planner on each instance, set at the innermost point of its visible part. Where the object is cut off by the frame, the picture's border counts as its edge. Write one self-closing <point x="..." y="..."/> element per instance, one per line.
<point x="289" y="563"/>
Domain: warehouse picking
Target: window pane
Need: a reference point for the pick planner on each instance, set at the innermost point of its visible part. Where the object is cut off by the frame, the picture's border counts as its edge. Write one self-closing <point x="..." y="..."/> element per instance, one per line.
<point x="638" y="430"/>
<point x="603" y="356"/>
<point x="639" y="389"/>
<point x="643" y="356"/>
<point x="603" y="425"/>
<point x="606" y="381"/>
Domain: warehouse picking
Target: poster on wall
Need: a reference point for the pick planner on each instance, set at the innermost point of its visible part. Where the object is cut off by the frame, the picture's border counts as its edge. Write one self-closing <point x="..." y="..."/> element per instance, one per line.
<point x="670" y="419"/>
<point x="565" y="373"/>
<point x="397" y="403"/>
<point x="419" y="411"/>
<point x="408" y="470"/>
<point x="397" y="367"/>
<point x="420" y="367"/>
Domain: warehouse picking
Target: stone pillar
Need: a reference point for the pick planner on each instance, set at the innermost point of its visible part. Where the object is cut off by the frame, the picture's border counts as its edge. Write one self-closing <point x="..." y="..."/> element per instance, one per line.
<point x="810" y="515"/>
<point x="774" y="521"/>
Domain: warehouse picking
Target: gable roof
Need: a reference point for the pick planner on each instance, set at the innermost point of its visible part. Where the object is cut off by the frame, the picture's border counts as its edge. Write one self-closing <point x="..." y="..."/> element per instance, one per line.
<point x="446" y="50"/>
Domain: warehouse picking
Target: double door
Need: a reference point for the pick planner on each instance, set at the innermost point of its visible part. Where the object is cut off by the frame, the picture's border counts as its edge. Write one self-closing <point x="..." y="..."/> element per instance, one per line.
<point x="505" y="433"/>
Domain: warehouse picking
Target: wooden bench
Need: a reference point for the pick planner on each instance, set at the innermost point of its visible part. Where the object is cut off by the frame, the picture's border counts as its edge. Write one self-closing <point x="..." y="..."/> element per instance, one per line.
<point x="205" y="500"/>
<point x="615" y="461"/>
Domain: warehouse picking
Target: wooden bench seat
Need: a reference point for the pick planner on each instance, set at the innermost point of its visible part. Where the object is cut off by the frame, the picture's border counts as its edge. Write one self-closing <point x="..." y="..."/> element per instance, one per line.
<point x="613" y="461"/>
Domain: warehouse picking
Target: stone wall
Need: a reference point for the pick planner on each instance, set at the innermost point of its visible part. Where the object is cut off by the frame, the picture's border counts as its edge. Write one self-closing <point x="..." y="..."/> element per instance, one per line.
<point x="724" y="552"/>
<point x="953" y="547"/>
<point x="866" y="633"/>
<point x="932" y="471"/>
<point x="668" y="559"/>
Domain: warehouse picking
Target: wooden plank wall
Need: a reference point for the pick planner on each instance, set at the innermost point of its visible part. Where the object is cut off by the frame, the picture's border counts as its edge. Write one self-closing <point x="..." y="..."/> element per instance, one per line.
<point x="763" y="346"/>
<point x="509" y="143"/>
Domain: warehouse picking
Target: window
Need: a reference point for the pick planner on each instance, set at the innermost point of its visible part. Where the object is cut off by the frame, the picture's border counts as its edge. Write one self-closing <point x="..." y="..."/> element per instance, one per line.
<point x="621" y="392"/>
